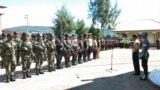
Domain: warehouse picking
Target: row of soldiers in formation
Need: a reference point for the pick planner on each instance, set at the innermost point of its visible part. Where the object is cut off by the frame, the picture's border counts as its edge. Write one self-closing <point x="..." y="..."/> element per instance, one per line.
<point x="40" y="47"/>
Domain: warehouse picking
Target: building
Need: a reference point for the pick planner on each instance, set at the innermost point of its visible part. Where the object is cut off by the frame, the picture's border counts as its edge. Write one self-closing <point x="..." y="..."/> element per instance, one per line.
<point x="1" y="13"/>
<point x="148" y="25"/>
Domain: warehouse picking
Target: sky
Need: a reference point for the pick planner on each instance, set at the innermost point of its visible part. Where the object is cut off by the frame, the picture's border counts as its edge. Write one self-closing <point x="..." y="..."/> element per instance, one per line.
<point x="41" y="12"/>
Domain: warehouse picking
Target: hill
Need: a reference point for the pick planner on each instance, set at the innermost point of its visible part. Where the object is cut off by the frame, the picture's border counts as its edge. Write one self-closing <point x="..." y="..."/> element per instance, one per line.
<point x="38" y="29"/>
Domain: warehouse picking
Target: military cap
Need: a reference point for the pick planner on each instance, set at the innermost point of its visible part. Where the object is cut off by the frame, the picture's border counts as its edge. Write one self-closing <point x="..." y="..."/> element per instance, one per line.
<point x="144" y="34"/>
<point x="39" y="35"/>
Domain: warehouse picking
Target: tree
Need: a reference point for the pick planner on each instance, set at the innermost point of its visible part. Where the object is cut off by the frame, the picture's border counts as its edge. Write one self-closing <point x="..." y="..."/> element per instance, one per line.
<point x="101" y="11"/>
<point x="81" y="29"/>
<point x="63" y="23"/>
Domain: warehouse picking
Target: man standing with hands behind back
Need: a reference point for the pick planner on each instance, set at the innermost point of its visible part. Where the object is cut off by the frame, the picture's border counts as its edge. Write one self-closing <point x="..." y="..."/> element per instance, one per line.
<point x="135" y="54"/>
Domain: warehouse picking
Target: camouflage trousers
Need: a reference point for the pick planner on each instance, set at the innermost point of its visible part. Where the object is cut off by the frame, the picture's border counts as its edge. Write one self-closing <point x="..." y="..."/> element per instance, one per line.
<point x="26" y="62"/>
<point x="51" y="59"/>
<point x="39" y="61"/>
<point x="10" y="65"/>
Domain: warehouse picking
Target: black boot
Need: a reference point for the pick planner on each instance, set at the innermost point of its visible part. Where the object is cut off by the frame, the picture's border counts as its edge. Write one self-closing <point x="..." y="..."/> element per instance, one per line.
<point x="49" y="69"/>
<point x="37" y="71"/>
<point x="12" y="78"/>
<point x="7" y="79"/>
<point x="28" y="75"/>
<point x="24" y="75"/>
<point x="53" y="68"/>
<point x="40" y="72"/>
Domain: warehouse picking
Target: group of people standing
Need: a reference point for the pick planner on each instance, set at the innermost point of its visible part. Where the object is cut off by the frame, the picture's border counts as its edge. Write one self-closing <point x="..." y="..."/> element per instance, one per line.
<point x="37" y="48"/>
<point x="140" y="41"/>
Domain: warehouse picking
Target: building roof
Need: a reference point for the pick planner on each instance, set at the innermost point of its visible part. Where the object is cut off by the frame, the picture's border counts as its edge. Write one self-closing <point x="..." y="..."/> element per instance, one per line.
<point x="140" y="25"/>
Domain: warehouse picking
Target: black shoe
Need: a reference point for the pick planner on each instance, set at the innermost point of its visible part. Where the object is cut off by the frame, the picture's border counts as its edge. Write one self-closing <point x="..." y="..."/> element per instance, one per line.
<point x="136" y="74"/>
<point x="7" y="79"/>
<point x="59" y="67"/>
<point x="40" y="72"/>
<point x="24" y="75"/>
<point x="144" y="77"/>
<point x="49" y="69"/>
<point x="28" y="75"/>
<point x="37" y="71"/>
<point x="12" y="78"/>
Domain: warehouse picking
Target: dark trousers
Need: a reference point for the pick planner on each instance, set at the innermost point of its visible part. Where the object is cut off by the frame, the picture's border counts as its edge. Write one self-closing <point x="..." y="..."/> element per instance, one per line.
<point x="59" y="59"/>
<point x="95" y="53"/>
<point x="90" y="49"/>
<point x="145" y="65"/>
<point x="85" y="54"/>
<point x="80" y="53"/>
<point x="74" y="56"/>
<point x="136" y="65"/>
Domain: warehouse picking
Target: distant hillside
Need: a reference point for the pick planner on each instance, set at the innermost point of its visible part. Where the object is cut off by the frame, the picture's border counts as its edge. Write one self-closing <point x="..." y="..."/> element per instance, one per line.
<point x="38" y="29"/>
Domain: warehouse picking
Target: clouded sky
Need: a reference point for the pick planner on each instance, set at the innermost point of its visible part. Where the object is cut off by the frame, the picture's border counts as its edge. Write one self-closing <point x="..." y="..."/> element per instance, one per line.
<point x="41" y="12"/>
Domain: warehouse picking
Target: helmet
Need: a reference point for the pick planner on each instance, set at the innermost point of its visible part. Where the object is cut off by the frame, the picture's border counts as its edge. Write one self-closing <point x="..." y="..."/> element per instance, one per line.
<point x="4" y="34"/>
<point x="39" y="35"/>
<point x="15" y="33"/>
<point x="51" y="34"/>
<point x="25" y="34"/>
<point x="145" y="34"/>
<point x="9" y="35"/>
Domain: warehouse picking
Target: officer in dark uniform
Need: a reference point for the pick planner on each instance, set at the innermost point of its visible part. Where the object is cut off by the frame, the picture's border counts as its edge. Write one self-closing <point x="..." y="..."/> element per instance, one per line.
<point x="85" y="46"/>
<point x="144" y="54"/>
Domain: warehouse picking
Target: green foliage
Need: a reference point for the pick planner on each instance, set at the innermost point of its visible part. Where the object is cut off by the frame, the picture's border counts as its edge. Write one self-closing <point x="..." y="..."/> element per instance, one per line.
<point x="101" y="11"/>
<point x="81" y="29"/>
<point x="95" y="31"/>
<point x="63" y="22"/>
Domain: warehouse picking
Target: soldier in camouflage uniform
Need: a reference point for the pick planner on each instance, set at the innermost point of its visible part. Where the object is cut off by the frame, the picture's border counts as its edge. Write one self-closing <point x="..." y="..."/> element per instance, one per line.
<point x="69" y="50"/>
<point x="4" y="38"/>
<point x="50" y="44"/>
<point x="8" y="52"/>
<point x="26" y="54"/>
<point x="45" y="49"/>
<point x="39" y="53"/>
<point x="17" y="52"/>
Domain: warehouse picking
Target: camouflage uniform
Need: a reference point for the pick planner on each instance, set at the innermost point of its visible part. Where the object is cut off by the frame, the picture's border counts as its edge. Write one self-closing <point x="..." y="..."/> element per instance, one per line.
<point x="50" y="44"/>
<point x="39" y="53"/>
<point x="2" y="41"/>
<point x="26" y="54"/>
<point x="17" y="52"/>
<point x="8" y="51"/>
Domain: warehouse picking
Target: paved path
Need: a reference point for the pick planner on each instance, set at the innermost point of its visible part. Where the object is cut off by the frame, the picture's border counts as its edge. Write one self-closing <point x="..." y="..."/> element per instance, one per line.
<point x="92" y="75"/>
